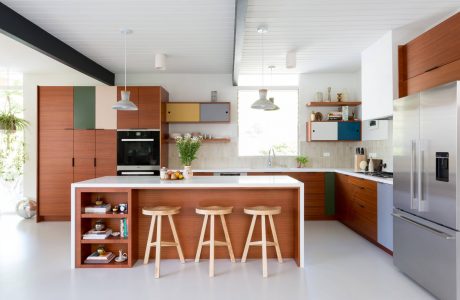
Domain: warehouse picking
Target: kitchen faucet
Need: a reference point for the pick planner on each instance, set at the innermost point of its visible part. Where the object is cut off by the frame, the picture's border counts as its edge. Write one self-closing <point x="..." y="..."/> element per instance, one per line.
<point x="270" y="159"/>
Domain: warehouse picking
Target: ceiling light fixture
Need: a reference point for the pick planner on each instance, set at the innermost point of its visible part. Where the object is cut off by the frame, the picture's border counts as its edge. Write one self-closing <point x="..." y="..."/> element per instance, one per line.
<point x="273" y="106"/>
<point x="160" y="61"/>
<point x="291" y="59"/>
<point x="262" y="102"/>
<point x="124" y="103"/>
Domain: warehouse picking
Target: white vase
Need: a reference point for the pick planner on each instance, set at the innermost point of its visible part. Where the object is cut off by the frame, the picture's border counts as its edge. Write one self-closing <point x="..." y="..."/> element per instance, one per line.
<point x="188" y="173"/>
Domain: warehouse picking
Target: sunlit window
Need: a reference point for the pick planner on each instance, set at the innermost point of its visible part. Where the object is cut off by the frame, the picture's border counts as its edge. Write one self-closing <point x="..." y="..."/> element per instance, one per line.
<point x="261" y="130"/>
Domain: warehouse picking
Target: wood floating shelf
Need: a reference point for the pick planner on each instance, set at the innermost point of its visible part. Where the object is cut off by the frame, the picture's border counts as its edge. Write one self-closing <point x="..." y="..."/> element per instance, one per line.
<point x="219" y="140"/>
<point x="332" y="104"/>
<point x="109" y="240"/>
<point x="103" y="216"/>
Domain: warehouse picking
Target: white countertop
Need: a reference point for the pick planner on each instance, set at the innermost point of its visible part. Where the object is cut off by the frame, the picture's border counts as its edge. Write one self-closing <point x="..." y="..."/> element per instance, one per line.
<point x="194" y="182"/>
<point x="276" y="170"/>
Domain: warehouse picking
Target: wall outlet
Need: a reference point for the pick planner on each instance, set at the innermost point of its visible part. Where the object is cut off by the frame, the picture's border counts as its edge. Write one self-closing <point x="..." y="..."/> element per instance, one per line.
<point x="326" y="154"/>
<point x="372" y="155"/>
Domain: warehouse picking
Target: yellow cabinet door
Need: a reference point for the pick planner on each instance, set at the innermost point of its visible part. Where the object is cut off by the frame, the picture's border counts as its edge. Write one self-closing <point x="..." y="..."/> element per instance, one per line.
<point x="182" y="112"/>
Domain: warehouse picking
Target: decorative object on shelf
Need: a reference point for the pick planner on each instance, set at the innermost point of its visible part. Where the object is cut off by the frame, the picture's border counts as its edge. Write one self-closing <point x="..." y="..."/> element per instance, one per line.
<point x="123" y="208"/>
<point x="329" y="94"/>
<point x="312" y="116"/>
<point x="100" y="258"/>
<point x="115" y="209"/>
<point x="160" y="61"/>
<point x="318" y="116"/>
<point x="213" y="96"/>
<point x="100" y="225"/>
<point x="123" y="228"/>
<point x="99" y="201"/>
<point x="188" y="147"/>
<point x="175" y="135"/>
<point x="115" y="234"/>
<point x="339" y="97"/>
<point x="125" y="103"/>
<point x="94" y="234"/>
<point x="26" y="208"/>
<point x="345" y="113"/>
<point x="102" y="208"/>
<point x="319" y="96"/>
<point x="100" y="250"/>
<point x="302" y="160"/>
<point x="263" y="102"/>
<point x="334" y="116"/>
<point x="121" y="256"/>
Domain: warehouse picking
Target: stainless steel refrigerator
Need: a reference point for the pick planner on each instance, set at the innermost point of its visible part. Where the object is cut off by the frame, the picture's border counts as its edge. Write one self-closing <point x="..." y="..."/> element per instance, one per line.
<point x="426" y="189"/>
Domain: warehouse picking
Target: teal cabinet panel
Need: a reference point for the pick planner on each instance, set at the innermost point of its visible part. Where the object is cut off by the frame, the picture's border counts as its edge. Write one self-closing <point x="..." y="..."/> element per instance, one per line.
<point x="329" y="193"/>
<point x="84" y="107"/>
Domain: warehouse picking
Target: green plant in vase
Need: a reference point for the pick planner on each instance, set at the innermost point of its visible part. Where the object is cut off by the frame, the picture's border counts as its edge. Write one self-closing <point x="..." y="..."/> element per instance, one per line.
<point x="302" y="160"/>
<point x="188" y="147"/>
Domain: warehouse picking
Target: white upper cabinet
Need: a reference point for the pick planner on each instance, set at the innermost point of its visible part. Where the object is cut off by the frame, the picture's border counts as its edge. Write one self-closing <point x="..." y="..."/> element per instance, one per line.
<point x="379" y="75"/>
<point x="106" y="117"/>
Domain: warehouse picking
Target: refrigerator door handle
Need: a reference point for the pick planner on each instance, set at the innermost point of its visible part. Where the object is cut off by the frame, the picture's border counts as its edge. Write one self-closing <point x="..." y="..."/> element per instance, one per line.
<point x="419" y="225"/>
<point x="412" y="171"/>
<point x="420" y="154"/>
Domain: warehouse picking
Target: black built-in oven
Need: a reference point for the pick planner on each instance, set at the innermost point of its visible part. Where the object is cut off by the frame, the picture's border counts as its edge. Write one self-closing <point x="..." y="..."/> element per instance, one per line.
<point x="138" y="152"/>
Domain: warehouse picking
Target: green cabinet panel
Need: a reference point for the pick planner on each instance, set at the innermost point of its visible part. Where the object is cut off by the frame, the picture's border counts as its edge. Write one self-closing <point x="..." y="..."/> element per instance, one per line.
<point x="329" y="193"/>
<point x="84" y="107"/>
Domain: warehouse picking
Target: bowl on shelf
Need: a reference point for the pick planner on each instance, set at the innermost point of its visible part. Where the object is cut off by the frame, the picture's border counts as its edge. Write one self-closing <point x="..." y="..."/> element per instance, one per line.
<point x="175" y="135"/>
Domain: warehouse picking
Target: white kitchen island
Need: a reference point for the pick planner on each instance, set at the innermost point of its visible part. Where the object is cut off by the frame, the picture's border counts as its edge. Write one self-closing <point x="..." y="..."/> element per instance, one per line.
<point x="142" y="191"/>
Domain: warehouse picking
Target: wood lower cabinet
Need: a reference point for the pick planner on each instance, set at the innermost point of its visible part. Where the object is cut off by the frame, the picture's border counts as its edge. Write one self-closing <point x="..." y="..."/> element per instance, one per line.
<point x="356" y="202"/>
<point x="55" y="174"/>
<point x="106" y="153"/>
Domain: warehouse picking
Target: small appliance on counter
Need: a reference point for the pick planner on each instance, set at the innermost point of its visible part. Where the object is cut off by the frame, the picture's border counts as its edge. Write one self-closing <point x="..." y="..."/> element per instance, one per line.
<point x="359" y="157"/>
<point x="138" y="152"/>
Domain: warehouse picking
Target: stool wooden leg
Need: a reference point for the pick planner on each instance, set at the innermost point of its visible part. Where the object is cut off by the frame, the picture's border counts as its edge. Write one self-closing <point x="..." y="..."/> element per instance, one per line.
<point x="158" y="248"/>
<point x="200" y="243"/>
<point x="176" y="239"/>
<point x="227" y="238"/>
<point x="275" y="239"/>
<point x="264" y="248"/>
<point x="149" y="240"/>
<point x="248" y="241"/>
<point x="211" y="248"/>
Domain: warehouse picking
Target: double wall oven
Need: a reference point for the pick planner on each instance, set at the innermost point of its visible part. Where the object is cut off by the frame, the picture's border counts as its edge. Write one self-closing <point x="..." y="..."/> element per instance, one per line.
<point x="138" y="152"/>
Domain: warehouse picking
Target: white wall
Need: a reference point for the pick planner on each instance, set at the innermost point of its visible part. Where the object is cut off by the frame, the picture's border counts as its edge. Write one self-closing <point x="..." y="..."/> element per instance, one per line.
<point x="31" y="82"/>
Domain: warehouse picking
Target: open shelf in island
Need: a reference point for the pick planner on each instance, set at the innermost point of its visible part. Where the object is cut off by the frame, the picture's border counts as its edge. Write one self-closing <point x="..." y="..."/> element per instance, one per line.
<point x="86" y="221"/>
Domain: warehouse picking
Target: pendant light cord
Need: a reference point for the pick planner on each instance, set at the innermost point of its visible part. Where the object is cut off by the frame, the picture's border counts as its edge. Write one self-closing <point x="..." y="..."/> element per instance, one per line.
<point x="263" y="55"/>
<point x="125" y="59"/>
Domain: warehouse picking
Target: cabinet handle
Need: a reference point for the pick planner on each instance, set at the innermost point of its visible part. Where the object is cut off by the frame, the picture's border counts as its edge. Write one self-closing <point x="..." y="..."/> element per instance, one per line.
<point x="94" y="162"/>
<point x="226" y="112"/>
<point x="73" y="161"/>
<point x="362" y="206"/>
<point x="313" y="130"/>
<point x="169" y="112"/>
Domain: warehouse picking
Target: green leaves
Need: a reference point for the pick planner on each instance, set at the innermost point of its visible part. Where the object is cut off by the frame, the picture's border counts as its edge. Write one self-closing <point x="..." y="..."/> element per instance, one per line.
<point x="188" y="148"/>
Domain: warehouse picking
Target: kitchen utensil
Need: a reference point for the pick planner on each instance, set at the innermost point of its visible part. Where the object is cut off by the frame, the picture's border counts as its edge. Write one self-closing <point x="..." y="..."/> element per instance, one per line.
<point x="358" y="159"/>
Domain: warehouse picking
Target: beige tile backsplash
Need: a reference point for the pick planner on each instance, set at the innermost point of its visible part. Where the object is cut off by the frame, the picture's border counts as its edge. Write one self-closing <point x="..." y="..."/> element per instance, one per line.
<point x="213" y="156"/>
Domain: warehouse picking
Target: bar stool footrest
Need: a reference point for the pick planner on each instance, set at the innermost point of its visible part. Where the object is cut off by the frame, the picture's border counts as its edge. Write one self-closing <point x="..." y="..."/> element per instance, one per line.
<point x="216" y="243"/>
<point x="259" y="243"/>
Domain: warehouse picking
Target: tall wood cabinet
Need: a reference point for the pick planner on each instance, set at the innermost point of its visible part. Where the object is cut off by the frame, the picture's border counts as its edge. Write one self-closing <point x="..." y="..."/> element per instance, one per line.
<point x="71" y="146"/>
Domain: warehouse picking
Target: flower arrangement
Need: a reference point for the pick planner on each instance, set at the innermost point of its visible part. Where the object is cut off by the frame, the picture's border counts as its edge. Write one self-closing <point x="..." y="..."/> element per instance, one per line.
<point x="188" y="147"/>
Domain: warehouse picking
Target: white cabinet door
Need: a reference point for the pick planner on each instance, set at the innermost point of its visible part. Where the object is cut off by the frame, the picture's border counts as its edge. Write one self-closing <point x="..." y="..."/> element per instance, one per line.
<point x="106" y="117"/>
<point x="324" y="131"/>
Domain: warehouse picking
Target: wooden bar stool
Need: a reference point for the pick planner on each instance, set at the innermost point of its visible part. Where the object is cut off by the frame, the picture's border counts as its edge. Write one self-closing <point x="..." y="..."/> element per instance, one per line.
<point x="157" y="213"/>
<point x="263" y="211"/>
<point x="212" y="211"/>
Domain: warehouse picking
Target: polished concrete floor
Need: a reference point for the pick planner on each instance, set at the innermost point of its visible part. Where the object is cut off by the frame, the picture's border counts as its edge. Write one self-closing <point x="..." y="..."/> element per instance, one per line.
<point x="34" y="264"/>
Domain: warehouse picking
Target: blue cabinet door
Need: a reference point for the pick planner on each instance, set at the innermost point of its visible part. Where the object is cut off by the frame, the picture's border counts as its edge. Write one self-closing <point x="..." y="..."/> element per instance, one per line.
<point x="349" y="131"/>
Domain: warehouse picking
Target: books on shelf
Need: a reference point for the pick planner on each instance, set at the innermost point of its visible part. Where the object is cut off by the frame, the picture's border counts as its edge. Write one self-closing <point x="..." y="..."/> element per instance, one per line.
<point x="123" y="228"/>
<point x="97" y="234"/>
<point x="98" y="209"/>
<point x="96" y="258"/>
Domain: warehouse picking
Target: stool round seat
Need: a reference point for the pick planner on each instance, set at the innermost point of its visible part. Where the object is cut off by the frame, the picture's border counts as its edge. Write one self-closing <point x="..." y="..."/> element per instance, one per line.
<point x="214" y="210"/>
<point x="263" y="210"/>
<point x="161" y="210"/>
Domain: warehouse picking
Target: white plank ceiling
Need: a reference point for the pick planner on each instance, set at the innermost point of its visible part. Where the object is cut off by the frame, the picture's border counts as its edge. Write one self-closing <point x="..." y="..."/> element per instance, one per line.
<point x="197" y="35"/>
<point x="328" y="35"/>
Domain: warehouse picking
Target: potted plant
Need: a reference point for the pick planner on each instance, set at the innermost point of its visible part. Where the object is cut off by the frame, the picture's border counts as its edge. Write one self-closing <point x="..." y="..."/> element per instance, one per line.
<point x="10" y="122"/>
<point x="188" y="147"/>
<point x="302" y="160"/>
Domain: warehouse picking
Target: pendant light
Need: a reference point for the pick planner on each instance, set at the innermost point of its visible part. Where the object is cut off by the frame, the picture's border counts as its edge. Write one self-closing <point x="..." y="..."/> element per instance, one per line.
<point x="272" y="105"/>
<point x="125" y="103"/>
<point x="262" y="102"/>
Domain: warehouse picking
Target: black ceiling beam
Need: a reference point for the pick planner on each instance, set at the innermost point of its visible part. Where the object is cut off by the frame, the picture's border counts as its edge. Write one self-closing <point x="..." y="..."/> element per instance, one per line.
<point x="19" y="28"/>
<point x="241" y="7"/>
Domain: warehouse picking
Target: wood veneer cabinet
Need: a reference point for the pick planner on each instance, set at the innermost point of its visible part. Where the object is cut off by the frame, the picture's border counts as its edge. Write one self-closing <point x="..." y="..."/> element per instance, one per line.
<point x="55" y="109"/>
<point x="356" y="202"/>
<point x="106" y="153"/>
<point x="128" y="119"/>
<point x="431" y="59"/>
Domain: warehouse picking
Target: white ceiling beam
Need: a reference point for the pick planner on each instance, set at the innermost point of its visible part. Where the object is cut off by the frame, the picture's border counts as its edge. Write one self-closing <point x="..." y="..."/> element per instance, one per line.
<point x="241" y="7"/>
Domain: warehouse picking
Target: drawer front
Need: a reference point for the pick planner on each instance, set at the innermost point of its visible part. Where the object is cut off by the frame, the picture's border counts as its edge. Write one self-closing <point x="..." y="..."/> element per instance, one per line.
<point x="324" y="131"/>
<point x="215" y="112"/>
<point x="368" y="184"/>
<point x="183" y="112"/>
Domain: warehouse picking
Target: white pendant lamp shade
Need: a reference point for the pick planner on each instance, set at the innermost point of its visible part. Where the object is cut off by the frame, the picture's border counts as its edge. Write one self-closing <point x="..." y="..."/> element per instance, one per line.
<point x="160" y="61"/>
<point x="124" y="103"/>
<point x="272" y="105"/>
<point x="262" y="102"/>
